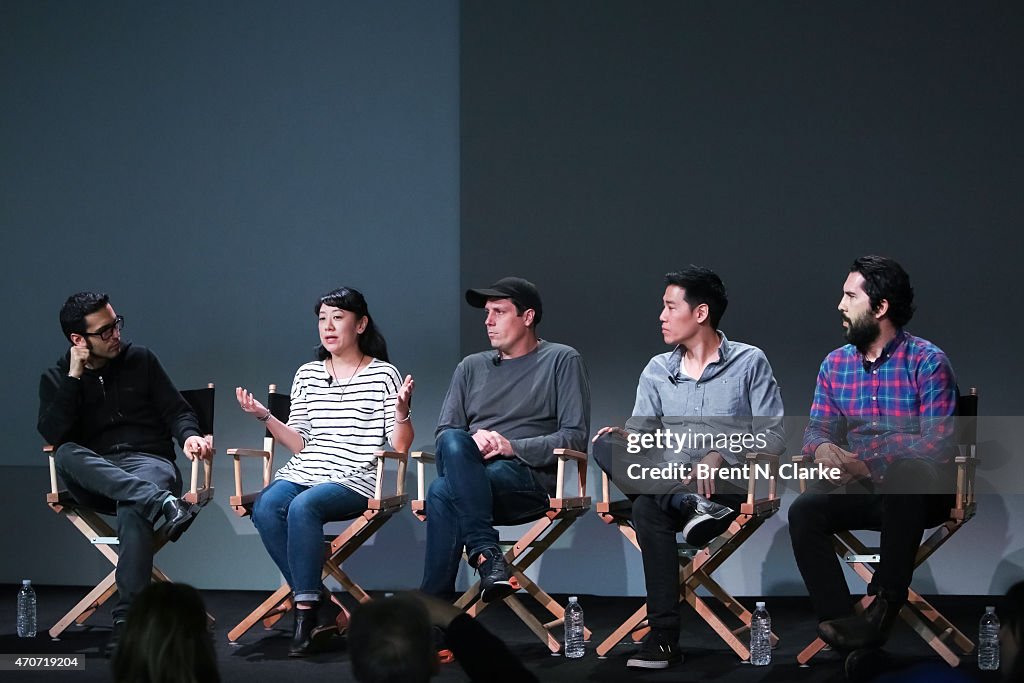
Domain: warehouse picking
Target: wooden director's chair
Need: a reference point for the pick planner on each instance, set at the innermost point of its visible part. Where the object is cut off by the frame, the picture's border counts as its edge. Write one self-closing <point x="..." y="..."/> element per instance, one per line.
<point x="103" y="537"/>
<point x="524" y="551"/>
<point x="696" y="565"/>
<point x="379" y="509"/>
<point x="927" y="621"/>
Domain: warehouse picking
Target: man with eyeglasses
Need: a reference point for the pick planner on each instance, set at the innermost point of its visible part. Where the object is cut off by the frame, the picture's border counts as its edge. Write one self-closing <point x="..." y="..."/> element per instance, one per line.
<point x="110" y="410"/>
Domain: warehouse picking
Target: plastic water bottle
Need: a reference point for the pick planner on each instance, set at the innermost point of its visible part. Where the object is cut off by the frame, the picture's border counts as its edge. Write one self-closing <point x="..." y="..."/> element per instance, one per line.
<point x="760" y="636"/>
<point x="988" y="641"/>
<point x="574" y="629"/>
<point x="26" y="610"/>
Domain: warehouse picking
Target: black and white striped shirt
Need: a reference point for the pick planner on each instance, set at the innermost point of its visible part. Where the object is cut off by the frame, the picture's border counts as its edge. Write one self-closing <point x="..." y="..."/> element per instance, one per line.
<point x="342" y="423"/>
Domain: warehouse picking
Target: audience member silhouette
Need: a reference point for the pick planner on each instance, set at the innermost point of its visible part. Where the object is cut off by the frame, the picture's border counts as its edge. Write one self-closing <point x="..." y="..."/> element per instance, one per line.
<point x="166" y="639"/>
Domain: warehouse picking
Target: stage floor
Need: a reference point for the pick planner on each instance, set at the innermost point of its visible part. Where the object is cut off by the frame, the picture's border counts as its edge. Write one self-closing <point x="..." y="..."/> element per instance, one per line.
<point x="262" y="655"/>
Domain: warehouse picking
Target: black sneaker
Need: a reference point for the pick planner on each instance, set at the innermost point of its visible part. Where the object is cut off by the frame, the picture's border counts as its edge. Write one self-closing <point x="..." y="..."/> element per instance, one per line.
<point x="655" y="653"/>
<point x="708" y="520"/>
<point x="115" y="638"/>
<point x="495" y="582"/>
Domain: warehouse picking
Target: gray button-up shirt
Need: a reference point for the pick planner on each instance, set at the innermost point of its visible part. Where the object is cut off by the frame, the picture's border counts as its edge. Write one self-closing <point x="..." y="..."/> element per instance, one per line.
<point x="736" y="394"/>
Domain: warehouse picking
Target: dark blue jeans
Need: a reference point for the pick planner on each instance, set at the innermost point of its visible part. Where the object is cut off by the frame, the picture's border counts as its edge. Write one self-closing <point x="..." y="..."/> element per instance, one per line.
<point x="290" y="519"/>
<point x="131" y="486"/>
<point x="470" y="496"/>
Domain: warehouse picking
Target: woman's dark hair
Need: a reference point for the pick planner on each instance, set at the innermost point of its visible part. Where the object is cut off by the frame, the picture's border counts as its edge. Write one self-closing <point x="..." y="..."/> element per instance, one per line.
<point x="166" y="639"/>
<point x="371" y="341"/>
<point x="391" y="641"/>
<point x="886" y="279"/>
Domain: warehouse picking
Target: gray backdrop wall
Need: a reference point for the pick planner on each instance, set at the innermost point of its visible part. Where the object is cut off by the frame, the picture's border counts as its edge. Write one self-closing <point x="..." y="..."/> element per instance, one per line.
<point x="217" y="168"/>
<point x="604" y="144"/>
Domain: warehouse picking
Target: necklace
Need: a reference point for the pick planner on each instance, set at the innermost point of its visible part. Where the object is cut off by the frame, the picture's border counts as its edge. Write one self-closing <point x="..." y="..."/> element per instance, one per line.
<point x="330" y="360"/>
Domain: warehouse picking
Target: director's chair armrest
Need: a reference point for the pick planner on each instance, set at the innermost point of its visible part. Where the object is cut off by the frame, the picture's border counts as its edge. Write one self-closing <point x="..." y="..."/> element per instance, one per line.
<point x="419" y="505"/>
<point x="54" y="489"/>
<point x="201" y="495"/>
<point x="399" y="496"/>
<point x="606" y="489"/>
<point x="566" y="455"/>
<point x="241" y="501"/>
<point x="802" y="460"/>
<point x="965" y="468"/>
<point x="612" y="511"/>
<point x="54" y="496"/>
<point x="754" y="460"/>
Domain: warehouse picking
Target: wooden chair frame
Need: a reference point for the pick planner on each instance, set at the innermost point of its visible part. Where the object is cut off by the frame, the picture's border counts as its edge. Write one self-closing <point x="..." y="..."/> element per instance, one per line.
<point x="524" y="551"/>
<point x="696" y="565"/>
<point x="103" y="537"/>
<point x="930" y="624"/>
<point x="379" y="509"/>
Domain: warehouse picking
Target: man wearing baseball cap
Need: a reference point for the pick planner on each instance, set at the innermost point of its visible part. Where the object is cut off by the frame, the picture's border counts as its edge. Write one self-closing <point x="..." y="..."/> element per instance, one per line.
<point x="506" y="410"/>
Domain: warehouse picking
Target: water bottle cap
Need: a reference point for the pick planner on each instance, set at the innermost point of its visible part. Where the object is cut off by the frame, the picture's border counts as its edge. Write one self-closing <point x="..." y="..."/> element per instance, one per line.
<point x="26" y="582"/>
<point x="989" y="609"/>
<point x="758" y="604"/>
<point x="573" y="598"/>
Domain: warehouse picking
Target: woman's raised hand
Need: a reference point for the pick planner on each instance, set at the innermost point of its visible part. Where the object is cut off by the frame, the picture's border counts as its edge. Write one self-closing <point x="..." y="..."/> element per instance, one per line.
<point x="248" y="403"/>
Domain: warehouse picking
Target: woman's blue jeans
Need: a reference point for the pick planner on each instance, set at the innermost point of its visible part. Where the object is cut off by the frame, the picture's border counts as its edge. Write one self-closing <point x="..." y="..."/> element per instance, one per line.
<point x="290" y="519"/>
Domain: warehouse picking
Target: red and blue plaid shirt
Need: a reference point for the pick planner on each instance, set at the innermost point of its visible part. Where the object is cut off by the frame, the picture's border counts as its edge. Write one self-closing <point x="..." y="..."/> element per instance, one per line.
<point x="899" y="406"/>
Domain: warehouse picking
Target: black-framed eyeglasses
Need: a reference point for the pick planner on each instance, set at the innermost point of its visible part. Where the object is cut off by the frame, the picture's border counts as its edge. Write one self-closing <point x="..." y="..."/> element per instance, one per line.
<point x="107" y="331"/>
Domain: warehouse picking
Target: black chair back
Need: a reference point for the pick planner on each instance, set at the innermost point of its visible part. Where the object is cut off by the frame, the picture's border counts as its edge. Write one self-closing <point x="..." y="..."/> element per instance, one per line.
<point x="279" y="405"/>
<point x="202" y="403"/>
<point x="967" y="418"/>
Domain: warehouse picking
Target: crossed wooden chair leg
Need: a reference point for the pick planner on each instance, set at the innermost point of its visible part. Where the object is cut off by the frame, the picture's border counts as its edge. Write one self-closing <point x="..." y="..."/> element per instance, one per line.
<point x="340" y="549"/>
<point x="520" y="556"/>
<point x="695" y="569"/>
<point x="98" y="531"/>
<point x="937" y="631"/>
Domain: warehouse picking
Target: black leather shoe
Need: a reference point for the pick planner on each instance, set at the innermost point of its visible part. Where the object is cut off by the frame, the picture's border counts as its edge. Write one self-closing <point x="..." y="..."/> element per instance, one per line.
<point x="302" y="640"/>
<point x="327" y="614"/>
<point x="495" y="581"/>
<point x="179" y="516"/>
<point x="867" y="665"/>
<point x="707" y="519"/>
<point x="314" y="627"/>
<point x="869" y="630"/>
<point x="115" y="637"/>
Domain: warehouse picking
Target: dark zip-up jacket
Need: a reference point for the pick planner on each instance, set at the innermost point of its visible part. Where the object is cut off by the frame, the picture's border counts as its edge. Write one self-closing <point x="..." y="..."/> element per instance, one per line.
<point x="128" y="405"/>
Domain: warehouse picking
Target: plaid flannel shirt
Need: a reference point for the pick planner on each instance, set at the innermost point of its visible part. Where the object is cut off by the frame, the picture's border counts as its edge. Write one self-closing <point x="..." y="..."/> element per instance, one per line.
<point x="899" y="406"/>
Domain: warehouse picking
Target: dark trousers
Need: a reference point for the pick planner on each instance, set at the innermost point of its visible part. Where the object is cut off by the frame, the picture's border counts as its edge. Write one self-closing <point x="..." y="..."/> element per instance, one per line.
<point x="131" y="486"/>
<point x="896" y="508"/>
<point x="470" y="496"/>
<point x="657" y="521"/>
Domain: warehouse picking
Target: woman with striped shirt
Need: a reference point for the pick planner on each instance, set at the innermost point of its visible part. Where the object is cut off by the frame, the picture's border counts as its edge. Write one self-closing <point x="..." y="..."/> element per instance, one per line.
<point x="345" y="406"/>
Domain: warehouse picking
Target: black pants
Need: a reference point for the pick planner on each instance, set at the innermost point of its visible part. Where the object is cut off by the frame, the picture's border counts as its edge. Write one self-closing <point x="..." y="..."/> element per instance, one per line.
<point x="657" y="522"/>
<point x="896" y="508"/>
<point x="131" y="486"/>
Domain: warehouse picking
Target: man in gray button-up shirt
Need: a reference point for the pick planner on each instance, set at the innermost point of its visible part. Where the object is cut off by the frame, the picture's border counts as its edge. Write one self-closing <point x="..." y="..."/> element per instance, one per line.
<point x="698" y="408"/>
